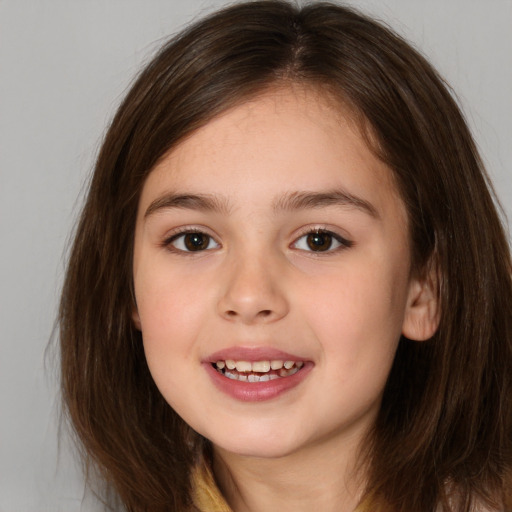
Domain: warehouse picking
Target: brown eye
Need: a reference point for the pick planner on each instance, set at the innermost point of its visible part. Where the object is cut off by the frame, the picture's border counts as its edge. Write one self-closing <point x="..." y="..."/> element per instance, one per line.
<point x="196" y="241"/>
<point x="193" y="242"/>
<point x="319" y="241"/>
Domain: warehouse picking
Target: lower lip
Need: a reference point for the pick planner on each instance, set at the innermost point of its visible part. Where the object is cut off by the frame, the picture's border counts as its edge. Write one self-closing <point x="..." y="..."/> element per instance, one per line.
<point x="257" y="391"/>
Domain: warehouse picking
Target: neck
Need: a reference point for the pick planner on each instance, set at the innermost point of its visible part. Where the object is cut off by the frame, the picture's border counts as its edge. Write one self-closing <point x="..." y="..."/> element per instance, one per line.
<point x="323" y="477"/>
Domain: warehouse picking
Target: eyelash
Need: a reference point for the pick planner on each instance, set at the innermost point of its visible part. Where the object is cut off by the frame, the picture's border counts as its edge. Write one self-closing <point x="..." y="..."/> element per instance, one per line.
<point x="342" y="242"/>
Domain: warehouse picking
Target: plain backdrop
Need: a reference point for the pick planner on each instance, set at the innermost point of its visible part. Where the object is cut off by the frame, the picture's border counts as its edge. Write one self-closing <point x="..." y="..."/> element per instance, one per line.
<point x="64" y="67"/>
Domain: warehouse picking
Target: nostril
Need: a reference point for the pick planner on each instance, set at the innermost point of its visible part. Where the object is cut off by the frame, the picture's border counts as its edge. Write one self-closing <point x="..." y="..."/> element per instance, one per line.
<point x="263" y="313"/>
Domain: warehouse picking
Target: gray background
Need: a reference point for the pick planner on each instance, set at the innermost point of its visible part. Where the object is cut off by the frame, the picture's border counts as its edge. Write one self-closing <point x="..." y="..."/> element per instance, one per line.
<point x="64" y="66"/>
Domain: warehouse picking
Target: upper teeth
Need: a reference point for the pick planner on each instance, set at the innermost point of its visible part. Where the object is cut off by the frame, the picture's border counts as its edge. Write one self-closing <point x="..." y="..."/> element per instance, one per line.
<point x="257" y="366"/>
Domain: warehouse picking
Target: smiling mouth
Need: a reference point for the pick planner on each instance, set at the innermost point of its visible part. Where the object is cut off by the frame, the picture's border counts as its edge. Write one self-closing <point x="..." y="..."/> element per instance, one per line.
<point x="257" y="371"/>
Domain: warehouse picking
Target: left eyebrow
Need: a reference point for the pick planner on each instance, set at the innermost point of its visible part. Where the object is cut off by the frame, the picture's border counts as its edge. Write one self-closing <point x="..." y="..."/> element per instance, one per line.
<point x="310" y="200"/>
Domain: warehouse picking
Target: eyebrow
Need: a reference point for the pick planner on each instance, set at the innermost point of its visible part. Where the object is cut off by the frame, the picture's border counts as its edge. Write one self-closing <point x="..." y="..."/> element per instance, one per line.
<point x="312" y="200"/>
<point x="289" y="202"/>
<point x="201" y="202"/>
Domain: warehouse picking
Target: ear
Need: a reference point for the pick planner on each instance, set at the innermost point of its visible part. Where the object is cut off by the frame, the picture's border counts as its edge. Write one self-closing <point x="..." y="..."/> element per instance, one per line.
<point x="422" y="314"/>
<point x="136" y="318"/>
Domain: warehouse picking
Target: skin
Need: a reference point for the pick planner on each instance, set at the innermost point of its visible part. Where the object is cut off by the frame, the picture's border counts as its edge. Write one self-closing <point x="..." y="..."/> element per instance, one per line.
<point x="259" y="284"/>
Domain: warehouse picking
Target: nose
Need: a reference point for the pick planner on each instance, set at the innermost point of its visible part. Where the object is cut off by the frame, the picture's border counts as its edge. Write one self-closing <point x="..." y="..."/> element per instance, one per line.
<point x="253" y="292"/>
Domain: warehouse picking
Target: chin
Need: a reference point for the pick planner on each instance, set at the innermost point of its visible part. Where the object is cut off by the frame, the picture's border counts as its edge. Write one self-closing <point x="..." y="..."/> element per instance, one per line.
<point x="261" y="450"/>
<point x="259" y="443"/>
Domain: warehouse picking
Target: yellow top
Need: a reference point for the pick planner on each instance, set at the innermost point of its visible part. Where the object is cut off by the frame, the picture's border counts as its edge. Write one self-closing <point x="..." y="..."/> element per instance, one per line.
<point x="205" y="493"/>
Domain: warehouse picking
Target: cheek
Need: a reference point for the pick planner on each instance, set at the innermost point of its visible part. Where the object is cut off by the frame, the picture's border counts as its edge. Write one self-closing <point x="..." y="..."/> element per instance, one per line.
<point x="358" y="311"/>
<point x="167" y="336"/>
<point x="357" y="321"/>
<point x="171" y="309"/>
<point x="166" y="295"/>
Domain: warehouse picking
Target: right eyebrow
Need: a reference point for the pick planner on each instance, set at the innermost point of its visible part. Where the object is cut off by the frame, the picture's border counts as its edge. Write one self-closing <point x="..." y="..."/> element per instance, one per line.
<point x="204" y="202"/>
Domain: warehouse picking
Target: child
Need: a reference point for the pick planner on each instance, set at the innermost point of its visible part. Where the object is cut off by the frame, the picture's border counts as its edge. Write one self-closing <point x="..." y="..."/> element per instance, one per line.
<point x="289" y="287"/>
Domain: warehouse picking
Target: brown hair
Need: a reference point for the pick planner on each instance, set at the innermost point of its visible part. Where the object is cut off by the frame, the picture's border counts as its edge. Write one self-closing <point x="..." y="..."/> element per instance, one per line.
<point x="444" y="433"/>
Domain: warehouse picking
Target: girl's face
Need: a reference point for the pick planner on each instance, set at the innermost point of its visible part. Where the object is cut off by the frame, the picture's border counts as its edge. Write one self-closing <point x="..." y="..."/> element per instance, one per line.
<point x="272" y="277"/>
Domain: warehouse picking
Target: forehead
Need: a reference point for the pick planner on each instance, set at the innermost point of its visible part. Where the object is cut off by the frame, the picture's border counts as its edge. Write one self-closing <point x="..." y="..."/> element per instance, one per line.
<point x="287" y="139"/>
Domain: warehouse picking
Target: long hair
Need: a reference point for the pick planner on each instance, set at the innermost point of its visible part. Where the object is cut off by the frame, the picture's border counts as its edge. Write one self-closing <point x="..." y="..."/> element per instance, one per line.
<point x="444" y="433"/>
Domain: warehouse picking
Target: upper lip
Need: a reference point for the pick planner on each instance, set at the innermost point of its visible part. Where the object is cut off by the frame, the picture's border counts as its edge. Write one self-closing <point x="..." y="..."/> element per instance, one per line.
<point x="252" y="354"/>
